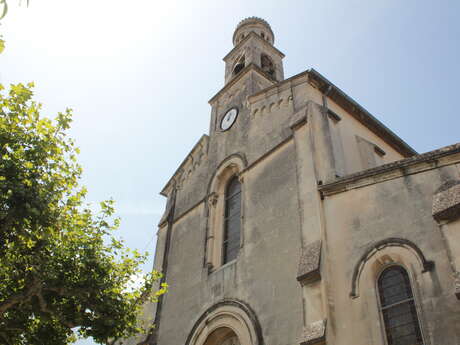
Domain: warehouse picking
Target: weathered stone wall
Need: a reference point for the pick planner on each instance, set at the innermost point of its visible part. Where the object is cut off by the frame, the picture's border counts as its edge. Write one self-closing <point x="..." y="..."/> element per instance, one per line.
<point x="186" y="295"/>
<point x="264" y="274"/>
<point x="372" y="210"/>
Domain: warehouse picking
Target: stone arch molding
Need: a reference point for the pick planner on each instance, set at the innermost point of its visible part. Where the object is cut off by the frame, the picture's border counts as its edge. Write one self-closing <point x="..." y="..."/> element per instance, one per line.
<point x="232" y="166"/>
<point x="385" y="252"/>
<point x="230" y="314"/>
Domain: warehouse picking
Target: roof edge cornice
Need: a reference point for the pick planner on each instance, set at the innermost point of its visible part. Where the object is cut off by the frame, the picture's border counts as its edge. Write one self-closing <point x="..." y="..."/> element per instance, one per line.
<point x="361" y="114"/>
<point x="252" y="34"/>
<point x="349" y="105"/>
<point x="202" y="143"/>
<point x="241" y="74"/>
<point x="403" y="167"/>
<point x="253" y="20"/>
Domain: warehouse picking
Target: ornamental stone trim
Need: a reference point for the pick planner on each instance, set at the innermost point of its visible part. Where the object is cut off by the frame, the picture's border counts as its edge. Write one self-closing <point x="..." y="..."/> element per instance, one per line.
<point x="446" y="202"/>
<point x="314" y="333"/>
<point x="309" y="264"/>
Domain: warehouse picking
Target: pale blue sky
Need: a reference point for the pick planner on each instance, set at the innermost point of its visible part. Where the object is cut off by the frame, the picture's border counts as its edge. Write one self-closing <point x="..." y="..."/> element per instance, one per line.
<point x="139" y="74"/>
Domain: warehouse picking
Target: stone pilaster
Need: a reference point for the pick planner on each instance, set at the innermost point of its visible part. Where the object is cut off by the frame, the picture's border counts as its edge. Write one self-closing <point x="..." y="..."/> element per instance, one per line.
<point x="314" y="333"/>
<point x="312" y="167"/>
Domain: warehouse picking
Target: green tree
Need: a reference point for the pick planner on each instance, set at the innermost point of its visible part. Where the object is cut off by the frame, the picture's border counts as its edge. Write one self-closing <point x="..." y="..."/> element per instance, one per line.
<point x="63" y="273"/>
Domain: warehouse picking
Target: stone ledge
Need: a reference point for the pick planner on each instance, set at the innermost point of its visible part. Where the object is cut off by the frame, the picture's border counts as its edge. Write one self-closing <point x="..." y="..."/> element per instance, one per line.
<point x="314" y="333"/>
<point x="416" y="164"/>
<point x="309" y="263"/>
<point x="200" y="149"/>
<point x="446" y="202"/>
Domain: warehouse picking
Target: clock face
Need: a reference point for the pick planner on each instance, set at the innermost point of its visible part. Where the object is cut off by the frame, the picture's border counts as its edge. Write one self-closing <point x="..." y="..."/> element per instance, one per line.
<point x="229" y="119"/>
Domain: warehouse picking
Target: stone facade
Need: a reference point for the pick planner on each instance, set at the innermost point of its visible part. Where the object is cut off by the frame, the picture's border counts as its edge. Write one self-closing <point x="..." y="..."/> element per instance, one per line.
<point x="329" y="198"/>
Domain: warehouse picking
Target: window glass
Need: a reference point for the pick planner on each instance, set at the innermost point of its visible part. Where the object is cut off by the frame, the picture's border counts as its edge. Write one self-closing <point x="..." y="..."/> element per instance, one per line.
<point x="232" y="223"/>
<point x="398" y="308"/>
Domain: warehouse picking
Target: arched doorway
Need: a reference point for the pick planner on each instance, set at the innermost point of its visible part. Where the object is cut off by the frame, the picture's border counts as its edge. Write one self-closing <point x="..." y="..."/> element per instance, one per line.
<point x="228" y="322"/>
<point x="222" y="336"/>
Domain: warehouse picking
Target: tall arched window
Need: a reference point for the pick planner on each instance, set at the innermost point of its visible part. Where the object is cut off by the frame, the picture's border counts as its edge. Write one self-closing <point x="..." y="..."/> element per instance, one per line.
<point x="232" y="223"/>
<point x="398" y="307"/>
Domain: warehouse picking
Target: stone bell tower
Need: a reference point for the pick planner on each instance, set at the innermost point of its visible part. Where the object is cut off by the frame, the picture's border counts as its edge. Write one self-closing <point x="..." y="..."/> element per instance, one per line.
<point x="253" y="41"/>
<point x="253" y="64"/>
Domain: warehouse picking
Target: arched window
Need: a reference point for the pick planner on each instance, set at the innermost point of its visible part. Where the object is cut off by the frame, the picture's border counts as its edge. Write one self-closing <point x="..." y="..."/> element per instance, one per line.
<point x="232" y="222"/>
<point x="398" y="308"/>
<point x="239" y="66"/>
<point x="225" y="234"/>
<point x="267" y="65"/>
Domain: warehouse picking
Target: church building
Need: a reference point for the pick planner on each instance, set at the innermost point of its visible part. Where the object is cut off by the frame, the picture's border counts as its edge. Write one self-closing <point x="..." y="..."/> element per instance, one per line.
<point x="301" y="219"/>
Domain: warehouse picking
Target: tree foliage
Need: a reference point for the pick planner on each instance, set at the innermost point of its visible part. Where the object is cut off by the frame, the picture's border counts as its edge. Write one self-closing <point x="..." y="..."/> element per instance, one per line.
<point x="63" y="274"/>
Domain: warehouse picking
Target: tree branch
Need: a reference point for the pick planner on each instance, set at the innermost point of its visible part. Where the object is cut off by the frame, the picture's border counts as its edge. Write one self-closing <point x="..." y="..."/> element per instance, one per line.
<point x="44" y="308"/>
<point x="31" y="291"/>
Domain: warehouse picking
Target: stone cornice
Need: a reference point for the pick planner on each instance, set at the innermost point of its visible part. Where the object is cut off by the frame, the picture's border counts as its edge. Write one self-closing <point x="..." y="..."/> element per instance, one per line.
<point x="239" y="76"/>
<point x="253" y="20"/>
<point x="347" y="103"/>
<point x="247" y="168"/>
<point x="427" y="161"/>
<point x="202" y="144"/>
<point x="280" y="84"/>
<point x="247" y="38"/>
<point x="359" y="113"/>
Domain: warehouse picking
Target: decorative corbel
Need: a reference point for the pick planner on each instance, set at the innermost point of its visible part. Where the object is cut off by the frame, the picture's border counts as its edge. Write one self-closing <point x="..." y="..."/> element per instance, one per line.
<point x="446" y="202"/>
<point x="314" y="333"/>
<point x="309" y="263"/>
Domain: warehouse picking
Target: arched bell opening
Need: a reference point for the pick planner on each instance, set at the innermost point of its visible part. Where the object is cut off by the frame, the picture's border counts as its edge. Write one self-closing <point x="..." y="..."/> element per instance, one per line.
<point x="239" y="66"/>
<point x="267" y="65"/>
